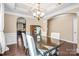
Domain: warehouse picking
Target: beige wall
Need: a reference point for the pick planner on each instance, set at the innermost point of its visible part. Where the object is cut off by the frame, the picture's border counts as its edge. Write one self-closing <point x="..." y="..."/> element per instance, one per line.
<point x="42" y="23"/>
<point x="63" y="25"/>
<point x="10" y="24"/>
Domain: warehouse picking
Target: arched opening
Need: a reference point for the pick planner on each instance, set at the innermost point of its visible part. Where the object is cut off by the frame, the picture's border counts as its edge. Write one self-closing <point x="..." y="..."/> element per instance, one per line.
<point x="21" y="28"/>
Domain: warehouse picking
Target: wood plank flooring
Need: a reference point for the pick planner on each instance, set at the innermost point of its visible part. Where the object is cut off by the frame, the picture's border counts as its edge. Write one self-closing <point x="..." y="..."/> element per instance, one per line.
<point x="67" y="49"/>
<point x="19" y="50"/>
<point x="15" y="51"/>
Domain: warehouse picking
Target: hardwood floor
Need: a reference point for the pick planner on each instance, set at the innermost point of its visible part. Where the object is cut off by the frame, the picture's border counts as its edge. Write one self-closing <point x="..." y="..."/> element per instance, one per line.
<point x="77" y="54"/>
<point x="19" y="50"/>
<point x="67" y="49"/>
<point x="15" y="51"/>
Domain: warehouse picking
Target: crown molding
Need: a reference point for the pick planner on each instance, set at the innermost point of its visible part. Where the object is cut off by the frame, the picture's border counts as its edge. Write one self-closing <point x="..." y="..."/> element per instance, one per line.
<point x="61" y="11"/>
<point x="17" y="14"/>
<point x="77" y="14"/>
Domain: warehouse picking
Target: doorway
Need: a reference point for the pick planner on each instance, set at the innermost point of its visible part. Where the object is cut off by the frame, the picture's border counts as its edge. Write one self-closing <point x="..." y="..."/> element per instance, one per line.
<point x="21" y="28"/>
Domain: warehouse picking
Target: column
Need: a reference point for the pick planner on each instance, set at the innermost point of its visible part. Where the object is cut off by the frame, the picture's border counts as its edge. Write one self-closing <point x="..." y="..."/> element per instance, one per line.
<point x="2" y="36"/>
<point x="74" y="28"/>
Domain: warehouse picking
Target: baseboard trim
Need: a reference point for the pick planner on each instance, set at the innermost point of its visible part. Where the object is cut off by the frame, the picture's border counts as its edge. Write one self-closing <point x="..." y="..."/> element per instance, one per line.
<point x="63" y="40"/>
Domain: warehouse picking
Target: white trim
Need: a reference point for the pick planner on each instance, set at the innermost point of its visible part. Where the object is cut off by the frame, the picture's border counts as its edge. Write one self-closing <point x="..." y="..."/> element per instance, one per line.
<point x="2" y="36"/>
<point x="55" y="35"/>
<point x="74" y="28"/>
<point x="63" y="40"/>
<point x="68" y="41"/>
<point x="11" y="38"/>
<point x="21" y="9"/>
<point x="61" y="11"/>
<point x="17" y="14"/>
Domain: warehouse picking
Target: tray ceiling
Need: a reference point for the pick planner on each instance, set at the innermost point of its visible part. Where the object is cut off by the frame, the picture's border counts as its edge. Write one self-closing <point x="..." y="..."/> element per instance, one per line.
<point x="29" y="8"/>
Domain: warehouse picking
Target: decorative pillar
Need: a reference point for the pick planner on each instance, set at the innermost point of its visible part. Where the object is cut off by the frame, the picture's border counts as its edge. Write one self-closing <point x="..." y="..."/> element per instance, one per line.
<point x="74" y="23"/>
<point x="2" y="36"/>
<point x="74" y="39"/>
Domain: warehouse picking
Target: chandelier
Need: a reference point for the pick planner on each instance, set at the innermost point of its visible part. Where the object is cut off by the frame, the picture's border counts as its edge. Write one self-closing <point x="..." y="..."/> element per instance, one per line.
<point x="38" y="13"/>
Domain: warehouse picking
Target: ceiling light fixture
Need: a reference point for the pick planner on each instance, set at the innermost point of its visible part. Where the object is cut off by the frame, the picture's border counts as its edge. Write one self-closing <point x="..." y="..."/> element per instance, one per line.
<point x="38" y="13"/>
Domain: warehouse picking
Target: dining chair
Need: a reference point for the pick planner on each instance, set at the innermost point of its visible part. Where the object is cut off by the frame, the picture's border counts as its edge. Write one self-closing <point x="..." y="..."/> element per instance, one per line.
<point x="25" y="44"/>
<point x="24" y="40"/>
<point x="31" y="45"/>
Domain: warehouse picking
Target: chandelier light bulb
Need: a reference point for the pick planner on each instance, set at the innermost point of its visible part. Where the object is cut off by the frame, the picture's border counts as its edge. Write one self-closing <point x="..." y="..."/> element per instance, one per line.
<point x="38" y="12"/>
<point x="34" y="14"/>
<point x="42" y="14"/>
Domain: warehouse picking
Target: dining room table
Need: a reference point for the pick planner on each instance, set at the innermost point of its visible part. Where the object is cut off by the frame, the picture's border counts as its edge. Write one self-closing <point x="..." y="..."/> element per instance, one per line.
<point x="48" y="48"/>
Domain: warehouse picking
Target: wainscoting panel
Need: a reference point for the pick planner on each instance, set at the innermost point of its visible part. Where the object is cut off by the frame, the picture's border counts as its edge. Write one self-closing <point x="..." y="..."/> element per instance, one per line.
<point x="11" y="38"/>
